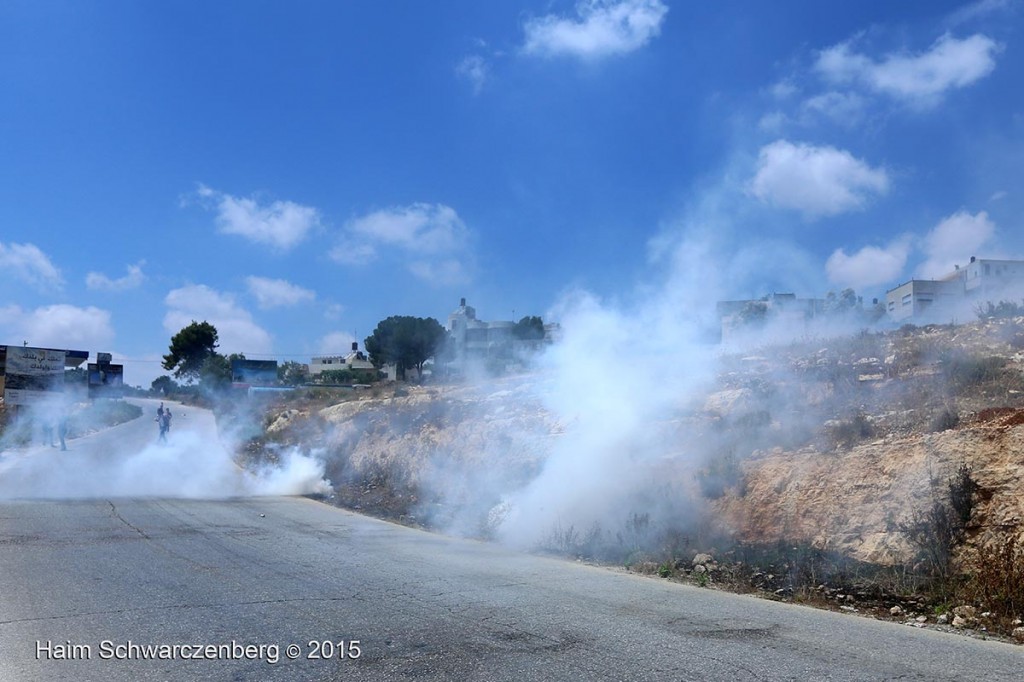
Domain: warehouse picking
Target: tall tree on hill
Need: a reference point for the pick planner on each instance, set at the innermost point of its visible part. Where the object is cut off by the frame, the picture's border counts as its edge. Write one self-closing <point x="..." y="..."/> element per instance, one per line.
<point x="406" y="341"/>
<point x="190" y="349"/>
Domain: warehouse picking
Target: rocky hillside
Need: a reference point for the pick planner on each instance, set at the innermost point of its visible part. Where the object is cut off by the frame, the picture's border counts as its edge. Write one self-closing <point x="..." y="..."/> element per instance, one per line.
<point x="878" y="447"/>
<point x="898" y="415"/>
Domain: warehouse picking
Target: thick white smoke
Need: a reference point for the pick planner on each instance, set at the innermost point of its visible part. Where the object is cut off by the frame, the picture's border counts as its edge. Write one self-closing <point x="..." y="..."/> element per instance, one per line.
<point x="620" y="374"/>
<point x="129" y="461"/>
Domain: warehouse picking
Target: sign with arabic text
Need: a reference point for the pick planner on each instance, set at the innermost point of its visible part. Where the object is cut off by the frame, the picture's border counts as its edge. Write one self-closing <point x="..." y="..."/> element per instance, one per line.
<point x="34" y="375"/>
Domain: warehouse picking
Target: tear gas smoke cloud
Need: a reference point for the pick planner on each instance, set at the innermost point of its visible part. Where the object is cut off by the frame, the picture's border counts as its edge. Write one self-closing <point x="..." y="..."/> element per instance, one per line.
<point x="616" y="378"/>
<point x="128" y="461"/>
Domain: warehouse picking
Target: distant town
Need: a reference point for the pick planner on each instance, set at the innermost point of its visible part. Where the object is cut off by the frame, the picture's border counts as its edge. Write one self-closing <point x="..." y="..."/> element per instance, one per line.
<point x="468" y="344"/>
<point x="957" y="296"/>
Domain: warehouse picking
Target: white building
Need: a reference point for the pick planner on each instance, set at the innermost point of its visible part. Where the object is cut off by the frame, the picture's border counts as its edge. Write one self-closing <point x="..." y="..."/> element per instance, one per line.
<point x="958" y="292"/>
<point x="355" y="360"/>
<point x="476" y="337"/>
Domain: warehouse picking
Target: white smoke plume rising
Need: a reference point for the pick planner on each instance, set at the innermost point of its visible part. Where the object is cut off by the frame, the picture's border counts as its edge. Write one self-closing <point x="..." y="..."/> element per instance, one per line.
<point x="617" y="380"/>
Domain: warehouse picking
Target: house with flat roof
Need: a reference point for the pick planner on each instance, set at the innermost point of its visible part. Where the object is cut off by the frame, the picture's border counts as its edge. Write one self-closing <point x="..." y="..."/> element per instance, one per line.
<point x="354" y="361"/>
<point x="958" y="293"/>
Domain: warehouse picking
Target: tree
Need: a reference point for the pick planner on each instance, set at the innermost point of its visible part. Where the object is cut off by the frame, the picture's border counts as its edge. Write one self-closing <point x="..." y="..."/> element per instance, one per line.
<point x="529" y="329"/>
<point x="292" y="373"/>
<point x="845" y="301"/>
<point x="336" y="376"/>
<point x="190" y="348"/>
<point x="406" y="341"/>
<point x="164" y="385"/>
<point x="215" y="373"/>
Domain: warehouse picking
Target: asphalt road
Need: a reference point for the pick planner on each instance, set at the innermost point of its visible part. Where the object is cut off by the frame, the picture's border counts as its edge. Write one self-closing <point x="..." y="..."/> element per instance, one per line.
<point x="89" y="586"/>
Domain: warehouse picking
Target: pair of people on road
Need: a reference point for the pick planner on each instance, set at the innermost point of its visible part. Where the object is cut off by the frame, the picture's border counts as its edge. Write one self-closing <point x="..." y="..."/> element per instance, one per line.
<point x="163" y="418"/>
<point x="61" y="424"/>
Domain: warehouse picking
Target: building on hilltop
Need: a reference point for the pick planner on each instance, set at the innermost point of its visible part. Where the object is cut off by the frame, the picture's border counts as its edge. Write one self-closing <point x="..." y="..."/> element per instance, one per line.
<point x="958" y="293"/>
<point x="784" y="309"/>
<point x="501" y="342"/>
<point x="354" y="361"/>
<point x="473" y="337"/>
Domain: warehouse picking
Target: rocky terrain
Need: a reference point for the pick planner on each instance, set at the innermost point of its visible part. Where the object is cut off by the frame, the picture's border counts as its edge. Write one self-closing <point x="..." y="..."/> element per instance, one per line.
<point x="879" y="473"/>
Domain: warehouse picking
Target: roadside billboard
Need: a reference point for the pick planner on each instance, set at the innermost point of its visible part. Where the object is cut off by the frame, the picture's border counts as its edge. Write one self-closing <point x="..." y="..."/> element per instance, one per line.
<point x="254" y="372"/>
<point x="106" y="381"/>
<point x="33" y="375"/>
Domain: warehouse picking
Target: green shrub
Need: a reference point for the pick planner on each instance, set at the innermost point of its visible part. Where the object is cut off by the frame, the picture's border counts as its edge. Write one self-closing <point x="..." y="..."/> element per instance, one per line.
<point x="1001" y="310"/>
<point x="963" y="370"/>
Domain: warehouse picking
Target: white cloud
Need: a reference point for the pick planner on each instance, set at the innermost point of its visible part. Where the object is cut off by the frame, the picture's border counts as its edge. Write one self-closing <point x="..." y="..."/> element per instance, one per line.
<point x="868" y="267"/>
<point x="58" y="326"/>
<point x="26" y="262"/>
<point x="275" y="293"/>
<point x="773" y="122"/>
<point x="448" y="272"/>
<point x="475" y="70"/>
<point x="333" y="311"/>
<point x="280" y="224"/>
<point x="920" y="79"/>
<point x="430" y="238"/>
<point x="979" y="10"/>
<point x="97" y="281"/>
<point x="599" y="29"/>
<point x="236" y="330"/>
<point x="953" y="241"/>
<point x="845" y="108"/>
<point x="335" y="343"/>
<point x="817" y="181"/>
<point x="783" y="89"/>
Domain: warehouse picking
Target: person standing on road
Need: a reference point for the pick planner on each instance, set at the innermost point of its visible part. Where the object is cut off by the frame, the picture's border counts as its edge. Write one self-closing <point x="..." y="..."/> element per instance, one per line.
<point x="48" y="431"/>
<point x="163" y="421"/>
<point x="62" y="429"/>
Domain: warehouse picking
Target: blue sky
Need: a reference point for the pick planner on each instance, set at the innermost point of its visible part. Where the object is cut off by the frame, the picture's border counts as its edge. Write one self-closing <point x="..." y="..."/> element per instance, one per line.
<point x="296" y="172"/>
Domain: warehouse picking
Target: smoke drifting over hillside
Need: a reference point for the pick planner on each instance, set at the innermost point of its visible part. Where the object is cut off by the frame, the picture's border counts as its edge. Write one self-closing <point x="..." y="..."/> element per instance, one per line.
<point x="614" y="380"/>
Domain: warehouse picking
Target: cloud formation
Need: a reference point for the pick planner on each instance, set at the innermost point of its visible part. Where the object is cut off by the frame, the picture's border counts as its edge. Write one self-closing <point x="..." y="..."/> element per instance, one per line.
<point x="236" y="330"/>
<point x="817" y="181"/>
<point x="474" y="69"/>
<point x="335" y="343"/>
<point x="919" y="79"/>
<point x="27" y="263"/>
<point x="870" y="266"/>
<point x="953" y="241"/>
<point x="431" y="239"/>
<point x="277" y="293"/>
<point x="844" y="108"/>
<point x="58" y="326"/>
<point x="600" y="28"/>
<point x="97" y="281"/>
<point x="279" y="224"/>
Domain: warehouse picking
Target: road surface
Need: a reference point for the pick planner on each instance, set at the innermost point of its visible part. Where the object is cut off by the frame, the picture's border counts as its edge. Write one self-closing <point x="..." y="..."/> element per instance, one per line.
<point x="158" y="588"/>
<point x="79" y="576"/>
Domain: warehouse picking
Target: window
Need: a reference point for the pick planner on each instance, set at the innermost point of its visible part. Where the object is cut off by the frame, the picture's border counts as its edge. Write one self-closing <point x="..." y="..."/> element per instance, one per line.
<point x="892" y="305"/>
<point x="906" y="299"/>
